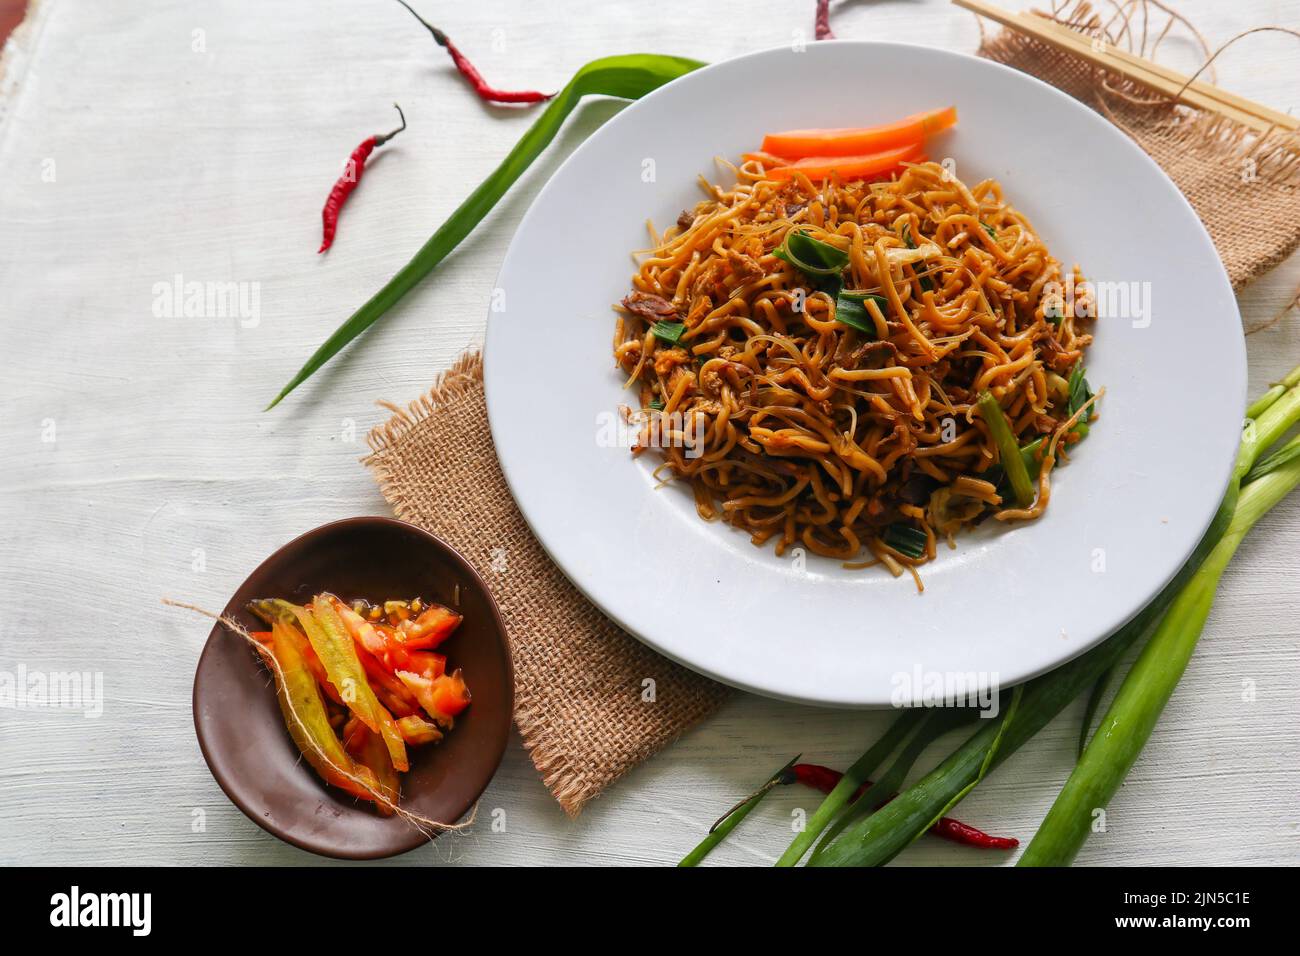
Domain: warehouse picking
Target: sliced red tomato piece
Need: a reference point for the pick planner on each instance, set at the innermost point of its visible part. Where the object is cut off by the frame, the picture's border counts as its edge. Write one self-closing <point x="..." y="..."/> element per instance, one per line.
<point x="427" y="663"/>
<point x="442" y="697"/>
<point x="434" y="625"/>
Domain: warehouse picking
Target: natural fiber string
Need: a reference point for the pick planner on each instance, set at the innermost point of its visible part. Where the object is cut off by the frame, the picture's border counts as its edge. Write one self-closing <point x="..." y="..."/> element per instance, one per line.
<point x="1294" y="303"/>
<point x="428" y="828"/>
<point x="1244" y="33"/>
<point x="580" y="681"/>
<point x="1245" y="186"/>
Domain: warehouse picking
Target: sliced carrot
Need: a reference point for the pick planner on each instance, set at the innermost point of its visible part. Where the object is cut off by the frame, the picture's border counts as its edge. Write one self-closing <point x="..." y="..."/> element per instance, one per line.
<point x="798" y="143"/>
<point x="849" y="167"/>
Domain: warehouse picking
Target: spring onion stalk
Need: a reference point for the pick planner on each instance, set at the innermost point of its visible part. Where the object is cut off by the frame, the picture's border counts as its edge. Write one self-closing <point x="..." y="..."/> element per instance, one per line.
<point x="719" y="830"/>
<point x="1287" y="453"/>
<point x="1008" y="449"/>
<point x="839" y="798"/>
<point x="1150" y="683"/>
<point x="1095" y="697"/>
<point x="1291" y="380"/>
<point x="846" y="850"/>
<point x="934" y="723"/>
<point x="894" y="826"/>
<point x="898" y="823"/>
<point x="628" y="77"/>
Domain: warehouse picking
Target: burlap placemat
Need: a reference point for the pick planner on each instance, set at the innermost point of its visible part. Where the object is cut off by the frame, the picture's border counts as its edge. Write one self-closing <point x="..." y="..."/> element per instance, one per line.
<point x="581" y="704"/>
<point x="1245" y="187"/>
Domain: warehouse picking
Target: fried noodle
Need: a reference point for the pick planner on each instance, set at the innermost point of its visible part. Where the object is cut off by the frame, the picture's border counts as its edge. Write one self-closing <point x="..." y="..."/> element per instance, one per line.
<point x="809" y="432"/>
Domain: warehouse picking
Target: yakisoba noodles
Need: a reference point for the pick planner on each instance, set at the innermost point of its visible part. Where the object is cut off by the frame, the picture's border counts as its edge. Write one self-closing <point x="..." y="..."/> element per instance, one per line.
<point x="834" y="405"/>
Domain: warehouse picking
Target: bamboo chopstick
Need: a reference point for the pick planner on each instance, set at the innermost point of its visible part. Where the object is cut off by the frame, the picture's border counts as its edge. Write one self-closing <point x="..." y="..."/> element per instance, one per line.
<point x="1160" y="78"/>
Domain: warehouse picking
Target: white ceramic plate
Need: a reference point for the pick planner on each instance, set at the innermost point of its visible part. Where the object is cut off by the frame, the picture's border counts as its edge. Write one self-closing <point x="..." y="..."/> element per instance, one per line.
<point x="1009" y="603"/>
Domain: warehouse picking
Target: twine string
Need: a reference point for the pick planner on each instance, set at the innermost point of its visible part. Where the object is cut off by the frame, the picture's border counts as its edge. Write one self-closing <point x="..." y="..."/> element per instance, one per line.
<point x="429" y="828"/>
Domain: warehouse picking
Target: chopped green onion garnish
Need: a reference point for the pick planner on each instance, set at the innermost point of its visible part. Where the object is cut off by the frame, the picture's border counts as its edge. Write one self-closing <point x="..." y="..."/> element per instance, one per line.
<point x="670" y="332"/>
<point x="1029" y="454"/>
<point x="880" y="300"/>
<point x="905" y="539"/>
<point x="811" y="255"/>
<point x="850" y="311"/>
<point x="993" y="233"/>
<point x="1080" y="392"/>
<point x="1008" y="449"/>
<point x="657" y="404"/>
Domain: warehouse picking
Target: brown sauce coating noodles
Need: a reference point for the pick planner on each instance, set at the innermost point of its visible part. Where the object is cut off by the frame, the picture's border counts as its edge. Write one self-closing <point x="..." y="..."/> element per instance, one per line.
<point x="806" y="432"/>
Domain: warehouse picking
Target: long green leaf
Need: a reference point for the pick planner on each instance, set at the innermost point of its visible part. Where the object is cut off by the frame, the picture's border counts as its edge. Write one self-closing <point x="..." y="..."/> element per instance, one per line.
<point x="1095" y="697"/>
<point x="628" y="77"/>
<point x="899" y="822"/>
<point x="1141" y="699"/>
<point x="934" y="724"/>
<point x="719" y="831"/>
<point x="894" y="826"/>
<point x="848" y="849"/>
<point x="838" y="799"/>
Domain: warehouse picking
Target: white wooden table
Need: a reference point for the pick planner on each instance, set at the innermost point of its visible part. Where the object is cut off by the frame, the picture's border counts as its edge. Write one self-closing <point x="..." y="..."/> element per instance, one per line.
<point x="148" y="139"/>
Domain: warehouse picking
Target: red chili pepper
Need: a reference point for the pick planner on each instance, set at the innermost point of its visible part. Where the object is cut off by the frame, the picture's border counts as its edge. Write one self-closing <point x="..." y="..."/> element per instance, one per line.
<point x="475" y="78"/>
<point x="349" y="180"/>
<point x="958" y="832"/>
<point x="822" y="21"/>
<point x="824" y="779"/>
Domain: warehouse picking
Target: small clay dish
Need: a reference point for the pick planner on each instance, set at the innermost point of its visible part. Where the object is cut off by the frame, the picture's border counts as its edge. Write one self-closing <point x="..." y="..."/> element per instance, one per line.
<point x="242" y="733"/>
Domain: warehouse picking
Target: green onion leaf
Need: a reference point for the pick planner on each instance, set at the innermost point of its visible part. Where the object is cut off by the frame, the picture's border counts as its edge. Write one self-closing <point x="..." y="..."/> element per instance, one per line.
<point x="1008" y="450"/>
<point x="1094" y="701"/>
<point x="657" y="404"/>
<point x="718" y="832"/>
<point x="1029" y="455"/>
<point x="1080" y="392"/>
<point x="850" y="311"/>
<point x="810" y="255"/>
<point x="1279" y="459"/>
<point x="993" y="233"/>
<point x="629" y="77"/>
<point x="669" y="332"/>
<point x="905" y="539"/>
<point x="881" y="302"/>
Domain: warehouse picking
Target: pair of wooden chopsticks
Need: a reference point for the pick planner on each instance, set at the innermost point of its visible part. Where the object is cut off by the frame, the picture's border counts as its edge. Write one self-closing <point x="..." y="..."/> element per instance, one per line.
<point x="1173" y="84"/>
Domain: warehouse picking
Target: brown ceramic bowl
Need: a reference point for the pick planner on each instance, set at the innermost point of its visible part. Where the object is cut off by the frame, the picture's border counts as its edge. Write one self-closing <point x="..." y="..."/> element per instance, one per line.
<point x="238" y="719"/>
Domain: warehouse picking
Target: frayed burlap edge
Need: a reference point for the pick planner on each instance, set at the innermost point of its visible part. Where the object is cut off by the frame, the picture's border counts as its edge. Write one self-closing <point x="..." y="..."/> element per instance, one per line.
<point x="572" y="775"/>
<point x="1203" y="153"/>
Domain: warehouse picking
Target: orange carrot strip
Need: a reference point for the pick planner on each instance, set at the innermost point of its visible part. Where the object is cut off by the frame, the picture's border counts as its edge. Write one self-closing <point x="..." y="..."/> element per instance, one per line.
<point x="849" y="167"/>
<point x="799" y="143"/>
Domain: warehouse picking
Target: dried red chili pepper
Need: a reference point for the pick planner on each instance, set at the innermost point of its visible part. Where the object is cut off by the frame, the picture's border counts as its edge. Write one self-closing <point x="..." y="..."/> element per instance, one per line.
<point x="824" y="779"/>
<point x="475" y="78"/>
<point x="822" y="21"/>
<point x="349" y="180"/>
